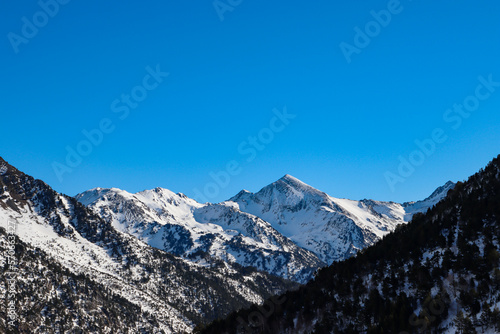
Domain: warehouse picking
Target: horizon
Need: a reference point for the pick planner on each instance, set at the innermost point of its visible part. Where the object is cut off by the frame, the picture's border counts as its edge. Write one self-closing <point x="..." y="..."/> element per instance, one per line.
<point x="242" y="190"/>
<point x="209" y="100"/>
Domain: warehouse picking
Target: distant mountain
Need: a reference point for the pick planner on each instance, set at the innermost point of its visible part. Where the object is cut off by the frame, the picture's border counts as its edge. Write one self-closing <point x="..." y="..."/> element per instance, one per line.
<point x="288" y="229"/>
<point x="332" y="228"/>
<point x="412" y="208"/>
<point x="75" y="271"/>
<point x="197" y="232"/>
<point x="440" y="273"/>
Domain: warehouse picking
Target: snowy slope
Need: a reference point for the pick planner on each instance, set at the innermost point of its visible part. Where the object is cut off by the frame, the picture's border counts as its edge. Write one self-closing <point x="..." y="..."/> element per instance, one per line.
<point x="332" y="228"/>
<point x="412" y="208"/>
<point x="288" y="228"/>
<point x="181" y="226"/>
<point x="177" y="293"/>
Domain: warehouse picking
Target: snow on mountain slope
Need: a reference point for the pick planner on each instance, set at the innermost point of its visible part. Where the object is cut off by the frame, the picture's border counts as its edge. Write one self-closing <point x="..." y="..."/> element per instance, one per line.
<point x="46" y="220"/>
<point x="184" y="227"/>
<point x="288" y="228"/>
<point x="412" y="208"/>
<point x="177" y="293"/>
<point x="332" y="228"/>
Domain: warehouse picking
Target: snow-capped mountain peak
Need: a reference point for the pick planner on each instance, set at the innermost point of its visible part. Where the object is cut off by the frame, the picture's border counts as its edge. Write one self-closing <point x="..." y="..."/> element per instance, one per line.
<point x="293" y="181"/>
<point x="332" y="228"/>
<point x="296" y="185"/>
<point x="184" y="227"/>
<point x="412" y="208"/>
<point x="441" y="192"/>
<point x="288" y="191"/>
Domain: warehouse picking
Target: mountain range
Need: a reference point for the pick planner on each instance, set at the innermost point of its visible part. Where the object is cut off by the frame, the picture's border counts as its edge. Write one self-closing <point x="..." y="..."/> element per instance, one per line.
<point x="63" y="249"/>
<point x="157" y="261"/>
<point x="288" y="228"/>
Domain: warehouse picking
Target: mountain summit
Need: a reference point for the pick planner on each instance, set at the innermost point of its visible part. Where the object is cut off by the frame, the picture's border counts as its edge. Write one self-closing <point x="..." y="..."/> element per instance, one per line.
<point x="332" y="228"/>
<point x="200" y="232"/>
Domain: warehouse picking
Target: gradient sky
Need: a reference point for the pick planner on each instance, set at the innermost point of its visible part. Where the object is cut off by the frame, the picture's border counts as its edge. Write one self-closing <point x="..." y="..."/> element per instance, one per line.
<point x="353" y="120"/>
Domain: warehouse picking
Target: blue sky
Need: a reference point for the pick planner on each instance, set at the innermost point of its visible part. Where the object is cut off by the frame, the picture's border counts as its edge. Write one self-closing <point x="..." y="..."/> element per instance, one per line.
<point x="352" y="121"/>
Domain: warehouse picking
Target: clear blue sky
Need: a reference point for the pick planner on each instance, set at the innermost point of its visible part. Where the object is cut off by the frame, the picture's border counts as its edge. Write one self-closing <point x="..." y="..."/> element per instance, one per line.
<point x="353" y="120"/>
